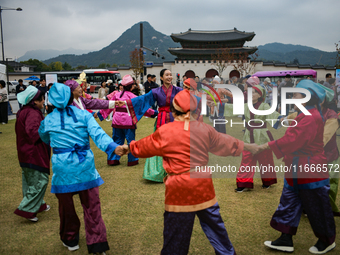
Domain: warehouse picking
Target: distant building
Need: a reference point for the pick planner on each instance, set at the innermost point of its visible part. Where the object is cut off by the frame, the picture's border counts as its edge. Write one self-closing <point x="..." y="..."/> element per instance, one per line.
<point x="19" y="67"/>
<point x="201" y="45"/>
<point x="198" y="47"/>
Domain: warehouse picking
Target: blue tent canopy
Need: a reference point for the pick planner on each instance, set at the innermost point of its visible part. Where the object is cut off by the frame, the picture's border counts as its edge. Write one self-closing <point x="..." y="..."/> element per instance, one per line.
<point x="32" y="78"/>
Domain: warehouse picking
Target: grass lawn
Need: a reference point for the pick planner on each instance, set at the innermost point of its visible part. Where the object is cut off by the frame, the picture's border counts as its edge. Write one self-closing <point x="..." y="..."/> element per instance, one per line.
<point x="133" y="208"/>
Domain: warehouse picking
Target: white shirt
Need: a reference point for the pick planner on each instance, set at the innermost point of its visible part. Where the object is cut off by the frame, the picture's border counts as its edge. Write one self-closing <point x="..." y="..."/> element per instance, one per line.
<point x="47" y="102"/>
<point x="141" y="88"/>
<point x="3" y="95"/>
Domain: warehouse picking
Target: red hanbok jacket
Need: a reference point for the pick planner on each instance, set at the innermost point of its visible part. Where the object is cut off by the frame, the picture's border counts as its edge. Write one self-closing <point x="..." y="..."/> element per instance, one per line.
<point x="302" y="149"/>
<point x="182" y="152"/>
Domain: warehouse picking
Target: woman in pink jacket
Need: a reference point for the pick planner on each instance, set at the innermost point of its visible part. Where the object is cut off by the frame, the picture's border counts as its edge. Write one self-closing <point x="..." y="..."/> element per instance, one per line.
<point x="122" y="126"/>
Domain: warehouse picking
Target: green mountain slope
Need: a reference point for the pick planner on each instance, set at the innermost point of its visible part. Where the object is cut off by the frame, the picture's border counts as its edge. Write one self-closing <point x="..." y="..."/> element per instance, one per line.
<point x="288" y="53"/>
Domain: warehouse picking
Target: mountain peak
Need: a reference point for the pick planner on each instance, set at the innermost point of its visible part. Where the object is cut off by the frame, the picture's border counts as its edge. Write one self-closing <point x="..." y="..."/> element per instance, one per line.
<point x="118" y="52"/>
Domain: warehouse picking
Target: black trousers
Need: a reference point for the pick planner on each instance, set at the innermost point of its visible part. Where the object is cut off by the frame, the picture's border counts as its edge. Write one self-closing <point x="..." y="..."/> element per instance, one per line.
<point x="4" y="112"/>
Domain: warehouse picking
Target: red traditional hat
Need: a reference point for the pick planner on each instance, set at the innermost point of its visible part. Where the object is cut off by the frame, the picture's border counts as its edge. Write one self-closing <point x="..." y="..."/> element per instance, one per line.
<point x="127" y="80"/>
<point x="191" y="83"/>
<point x="185" y="102"/>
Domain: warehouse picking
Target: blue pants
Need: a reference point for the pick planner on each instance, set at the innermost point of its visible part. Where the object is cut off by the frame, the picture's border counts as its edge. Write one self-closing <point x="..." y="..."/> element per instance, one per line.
<point x="316" y="204"/>
<point x="178" y="228"/>
<point x="119" y="135"/>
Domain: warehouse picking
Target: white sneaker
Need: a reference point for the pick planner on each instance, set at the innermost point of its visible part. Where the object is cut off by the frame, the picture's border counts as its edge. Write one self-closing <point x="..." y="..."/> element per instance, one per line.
<point x="73" y="248"/>
<point x="279" y="247"/>
<point x="35" y="219"/>
<point x="317" y="249"/>
<point x="47" y="208"/>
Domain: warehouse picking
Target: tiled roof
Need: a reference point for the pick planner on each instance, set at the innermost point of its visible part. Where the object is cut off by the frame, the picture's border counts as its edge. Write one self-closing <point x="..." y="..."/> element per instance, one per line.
<point x="221" y="35"/>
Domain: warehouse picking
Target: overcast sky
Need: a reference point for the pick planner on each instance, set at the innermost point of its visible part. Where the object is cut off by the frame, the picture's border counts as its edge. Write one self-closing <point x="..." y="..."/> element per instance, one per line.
<point x="94" y="24"/>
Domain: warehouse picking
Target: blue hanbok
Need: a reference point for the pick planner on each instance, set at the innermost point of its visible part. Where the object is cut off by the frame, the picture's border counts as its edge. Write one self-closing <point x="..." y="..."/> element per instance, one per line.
<point x="68" y="129"/>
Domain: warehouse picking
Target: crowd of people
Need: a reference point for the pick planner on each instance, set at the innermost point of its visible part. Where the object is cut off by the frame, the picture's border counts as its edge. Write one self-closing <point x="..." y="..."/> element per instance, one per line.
<point x="181" y="141"/>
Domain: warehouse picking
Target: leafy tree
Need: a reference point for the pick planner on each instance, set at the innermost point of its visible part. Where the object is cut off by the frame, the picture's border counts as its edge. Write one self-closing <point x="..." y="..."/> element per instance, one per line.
<point x="51" y="66"/>
<point x="67" y="67"/>
<point x="114" y="65"/>
<point x="58" y="66"/>
<point x="9" y="69"/>
<point x="40" y="66"/>
<point x="102" y="66"/>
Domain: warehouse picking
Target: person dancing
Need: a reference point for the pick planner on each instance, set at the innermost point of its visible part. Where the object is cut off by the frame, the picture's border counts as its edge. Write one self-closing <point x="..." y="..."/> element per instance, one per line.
<point x="68" y="129"/>
<point x="305" y="185"/>
<point x="86" y="104"/>
<point x="34" y="155"/>
<point x="331" y="121"/>
<point x="185" y="145"/>
<point x="122" y="126"/>
<point x="163" y="95"/>
<point x="256" y="132"/>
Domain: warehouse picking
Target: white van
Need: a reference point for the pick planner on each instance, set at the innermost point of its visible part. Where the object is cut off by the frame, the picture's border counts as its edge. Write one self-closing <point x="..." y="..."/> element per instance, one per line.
<point x="12" y="86"/>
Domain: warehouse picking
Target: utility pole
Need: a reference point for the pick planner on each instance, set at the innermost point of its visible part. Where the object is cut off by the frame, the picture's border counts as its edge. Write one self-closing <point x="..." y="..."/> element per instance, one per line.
<point x="2" y="37"/>
<point x="141" y="49"/>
